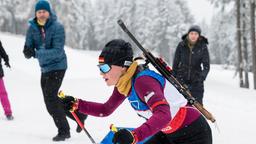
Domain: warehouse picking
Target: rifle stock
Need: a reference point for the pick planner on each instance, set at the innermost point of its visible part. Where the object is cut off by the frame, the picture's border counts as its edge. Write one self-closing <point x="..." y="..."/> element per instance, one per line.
<point x="166" y="71"/>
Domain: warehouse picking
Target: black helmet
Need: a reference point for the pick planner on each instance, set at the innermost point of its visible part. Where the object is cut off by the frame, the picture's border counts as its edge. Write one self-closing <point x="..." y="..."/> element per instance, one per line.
<point x="117" y="52"/>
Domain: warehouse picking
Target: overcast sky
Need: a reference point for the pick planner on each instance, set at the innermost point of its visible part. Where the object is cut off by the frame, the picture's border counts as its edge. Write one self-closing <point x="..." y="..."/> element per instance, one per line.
<point x="201" y="9"/>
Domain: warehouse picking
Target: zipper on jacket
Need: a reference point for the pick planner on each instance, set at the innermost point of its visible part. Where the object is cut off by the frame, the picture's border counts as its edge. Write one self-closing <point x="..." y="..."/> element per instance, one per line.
<point x="43" y="34"/>
<point x="189" y="63"/>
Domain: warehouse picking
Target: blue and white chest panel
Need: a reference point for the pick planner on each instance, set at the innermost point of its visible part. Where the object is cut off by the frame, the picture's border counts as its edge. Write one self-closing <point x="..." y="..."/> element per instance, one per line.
<point x="172" y="95"/>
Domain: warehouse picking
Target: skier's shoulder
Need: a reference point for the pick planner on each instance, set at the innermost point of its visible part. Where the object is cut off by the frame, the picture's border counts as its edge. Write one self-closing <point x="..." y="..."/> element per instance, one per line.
<point x="148" y="77"/>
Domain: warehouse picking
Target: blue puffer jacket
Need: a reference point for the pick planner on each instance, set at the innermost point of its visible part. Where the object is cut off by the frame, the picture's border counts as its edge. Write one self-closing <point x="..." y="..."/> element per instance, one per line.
<point x="50" y="52"/>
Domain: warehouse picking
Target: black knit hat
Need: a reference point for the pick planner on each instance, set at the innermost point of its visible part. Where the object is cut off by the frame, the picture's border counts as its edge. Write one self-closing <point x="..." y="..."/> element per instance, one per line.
<point x="195" y="28"/>
<point x="117" y="52"/>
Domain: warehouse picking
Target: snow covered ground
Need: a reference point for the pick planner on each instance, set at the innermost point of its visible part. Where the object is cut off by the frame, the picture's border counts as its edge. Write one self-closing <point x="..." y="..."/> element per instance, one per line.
<point x="232" y="106"/>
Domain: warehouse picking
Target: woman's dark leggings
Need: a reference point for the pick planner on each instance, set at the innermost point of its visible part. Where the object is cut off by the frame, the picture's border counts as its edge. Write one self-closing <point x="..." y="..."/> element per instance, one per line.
<point x="198" y="132"/>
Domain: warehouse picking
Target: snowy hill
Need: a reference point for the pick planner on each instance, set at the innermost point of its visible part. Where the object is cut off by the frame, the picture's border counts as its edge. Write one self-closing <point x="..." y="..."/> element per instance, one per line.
<point x="232" y="106"/>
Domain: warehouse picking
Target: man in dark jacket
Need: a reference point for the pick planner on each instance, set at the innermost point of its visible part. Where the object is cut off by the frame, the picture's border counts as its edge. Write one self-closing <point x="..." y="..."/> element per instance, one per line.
<point x="45" y="40"/>
<point x="191" y="62"/>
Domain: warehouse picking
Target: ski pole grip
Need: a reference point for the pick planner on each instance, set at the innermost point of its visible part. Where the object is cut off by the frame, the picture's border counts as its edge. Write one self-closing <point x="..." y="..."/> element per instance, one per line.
<point x="113" y="128"/>
<point x="61" y="94"/>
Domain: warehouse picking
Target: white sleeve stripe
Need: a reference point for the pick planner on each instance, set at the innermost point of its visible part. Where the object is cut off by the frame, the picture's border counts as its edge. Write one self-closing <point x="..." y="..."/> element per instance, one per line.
<point x="149" y="96"/>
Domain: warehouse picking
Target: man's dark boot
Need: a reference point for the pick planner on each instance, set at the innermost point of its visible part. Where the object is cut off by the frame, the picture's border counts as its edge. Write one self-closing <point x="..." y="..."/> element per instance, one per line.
<point x="78" y="129"/>
<point x="61" y="136"/>
<point x="82" y="118"/>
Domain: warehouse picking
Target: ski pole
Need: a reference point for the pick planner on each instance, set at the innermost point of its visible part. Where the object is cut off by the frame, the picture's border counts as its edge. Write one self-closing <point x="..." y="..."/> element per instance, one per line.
<point x="62" y="95"/>
<point x="82" y="126"/>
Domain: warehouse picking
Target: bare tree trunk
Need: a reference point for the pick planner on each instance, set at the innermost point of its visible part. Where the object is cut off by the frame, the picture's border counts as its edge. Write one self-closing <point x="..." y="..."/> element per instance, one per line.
<point x="245" y="49"/>
<point x="246" y="69"/>
<point x="13" y="28"/>
<point x="239" y="50"/>
<point x="253" y="41"/>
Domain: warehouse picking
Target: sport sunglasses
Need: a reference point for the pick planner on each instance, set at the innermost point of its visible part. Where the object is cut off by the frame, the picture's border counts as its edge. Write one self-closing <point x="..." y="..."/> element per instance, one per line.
<point x="104" y="68"/>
